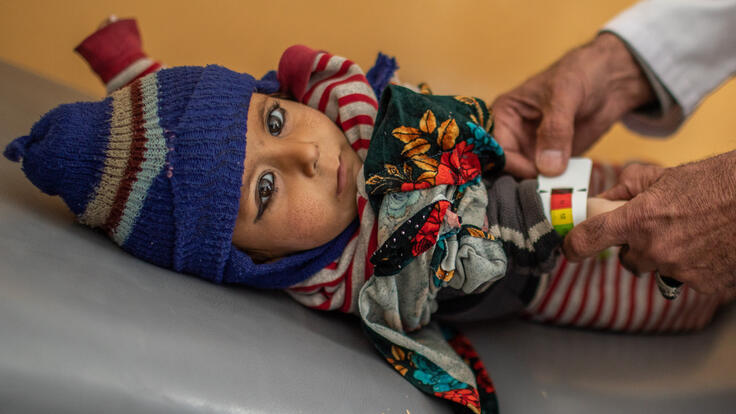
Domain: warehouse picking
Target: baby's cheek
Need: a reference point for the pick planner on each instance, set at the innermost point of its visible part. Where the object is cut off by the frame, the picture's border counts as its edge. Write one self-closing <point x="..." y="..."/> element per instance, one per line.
<point x="309" y="222"/>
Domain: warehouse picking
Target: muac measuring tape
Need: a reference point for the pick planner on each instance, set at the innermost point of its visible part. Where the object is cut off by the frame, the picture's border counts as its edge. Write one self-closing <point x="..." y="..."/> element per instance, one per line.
<point x="565" y="203"/>
<point x="565" y="197"/>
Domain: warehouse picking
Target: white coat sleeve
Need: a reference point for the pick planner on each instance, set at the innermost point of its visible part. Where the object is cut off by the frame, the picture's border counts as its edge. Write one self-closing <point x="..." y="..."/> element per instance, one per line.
<point x="686" y="48"/>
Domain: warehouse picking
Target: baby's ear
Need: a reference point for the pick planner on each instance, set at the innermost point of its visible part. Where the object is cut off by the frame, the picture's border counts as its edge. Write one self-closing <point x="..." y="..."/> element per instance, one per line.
<point x="260" y="257"/>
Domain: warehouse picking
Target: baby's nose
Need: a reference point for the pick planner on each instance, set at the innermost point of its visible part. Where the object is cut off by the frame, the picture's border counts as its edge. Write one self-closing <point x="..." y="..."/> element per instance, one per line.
<point x="302" y="156"/>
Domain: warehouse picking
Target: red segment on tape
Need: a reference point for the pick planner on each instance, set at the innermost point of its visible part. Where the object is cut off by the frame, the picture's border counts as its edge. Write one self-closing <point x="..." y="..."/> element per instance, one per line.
<point x="560" y="198"/>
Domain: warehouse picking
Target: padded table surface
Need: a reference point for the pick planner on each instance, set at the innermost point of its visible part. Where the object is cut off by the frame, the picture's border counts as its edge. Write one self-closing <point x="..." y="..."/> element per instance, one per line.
<point x="85" y="327"/>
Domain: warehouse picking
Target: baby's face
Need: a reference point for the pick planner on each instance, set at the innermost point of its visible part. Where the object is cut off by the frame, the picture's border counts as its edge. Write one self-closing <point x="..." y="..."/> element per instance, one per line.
<point x="299" y="181"/>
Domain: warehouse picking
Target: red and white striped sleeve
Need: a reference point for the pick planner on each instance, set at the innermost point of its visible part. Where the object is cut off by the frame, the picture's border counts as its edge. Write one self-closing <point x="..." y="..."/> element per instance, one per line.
<point x="336" y="287"/>
<point x="333" y="85"/>
<point x="115" y="54"/>
<point x="599" y="293"/>
<point x="337" y="87"/>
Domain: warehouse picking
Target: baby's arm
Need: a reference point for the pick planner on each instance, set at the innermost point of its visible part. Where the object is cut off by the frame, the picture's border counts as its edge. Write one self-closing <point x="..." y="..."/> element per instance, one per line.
<point x="599" y="293"/>
<point x="598" y="206"/>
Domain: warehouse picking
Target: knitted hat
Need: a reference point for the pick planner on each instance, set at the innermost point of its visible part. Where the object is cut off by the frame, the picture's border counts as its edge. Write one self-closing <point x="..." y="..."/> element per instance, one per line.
<point x="158" y="166"/>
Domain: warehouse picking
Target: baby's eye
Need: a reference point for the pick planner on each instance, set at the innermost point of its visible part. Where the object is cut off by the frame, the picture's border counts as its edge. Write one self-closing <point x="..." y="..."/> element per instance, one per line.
<point x="275" y="120"/>
<point x="265" y="190"/>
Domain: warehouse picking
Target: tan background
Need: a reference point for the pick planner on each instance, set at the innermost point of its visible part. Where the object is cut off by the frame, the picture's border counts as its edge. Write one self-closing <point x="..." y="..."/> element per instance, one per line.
<point x="479" y="47"/>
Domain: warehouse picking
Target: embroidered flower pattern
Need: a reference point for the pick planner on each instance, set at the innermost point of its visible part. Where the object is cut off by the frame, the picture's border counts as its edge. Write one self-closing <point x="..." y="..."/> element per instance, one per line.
<point x="429" y="377"/>
<point x="419" y="142"/>
<point x="427" y="235"/>
<point x="400" y="360"/>
<point x="482" y="140"/>
<point x="458" y="166"/>
<point x="477" y="114"/>
<point x="462" y="347"/>
<point x="467" y="397"/>
<point x="398" y="203"/>
<point x="430" y="374"/>
<point x="443" y="276"/>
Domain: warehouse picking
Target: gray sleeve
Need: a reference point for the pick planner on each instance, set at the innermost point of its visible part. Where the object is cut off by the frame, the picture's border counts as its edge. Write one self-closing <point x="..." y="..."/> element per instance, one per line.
<point x="516" y="217"/>
<point x="687" y="48"/>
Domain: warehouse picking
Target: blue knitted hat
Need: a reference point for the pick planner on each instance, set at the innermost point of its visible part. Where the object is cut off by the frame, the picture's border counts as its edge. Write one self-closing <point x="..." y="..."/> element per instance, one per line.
<point x="158" y="166"/>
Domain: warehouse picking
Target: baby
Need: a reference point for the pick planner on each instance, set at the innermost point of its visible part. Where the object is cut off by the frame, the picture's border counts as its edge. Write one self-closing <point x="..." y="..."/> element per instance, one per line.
<point x="393" y="209"/>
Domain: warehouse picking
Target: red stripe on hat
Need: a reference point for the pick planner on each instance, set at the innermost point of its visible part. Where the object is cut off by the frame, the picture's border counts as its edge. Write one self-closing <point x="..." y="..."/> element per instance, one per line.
<point x="321" y="68"/>
<point x="153" y="68"/>
<point x="322" y="64"/>
<point x="362" y="143"/>
<point x="357" y="97"/>
<point x="357" y="120"/>
<point x="358" y="77"/>
<point x="133" y="167"/>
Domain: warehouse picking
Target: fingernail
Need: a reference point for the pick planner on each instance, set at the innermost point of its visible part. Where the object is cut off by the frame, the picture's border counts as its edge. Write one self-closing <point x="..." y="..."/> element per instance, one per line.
<point x="550" y="161"/>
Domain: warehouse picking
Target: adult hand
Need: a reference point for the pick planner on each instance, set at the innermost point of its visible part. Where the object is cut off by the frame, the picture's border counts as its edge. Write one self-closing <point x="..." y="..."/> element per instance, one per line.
<point x="679" y="221"/>
<point x="567" y="107"/>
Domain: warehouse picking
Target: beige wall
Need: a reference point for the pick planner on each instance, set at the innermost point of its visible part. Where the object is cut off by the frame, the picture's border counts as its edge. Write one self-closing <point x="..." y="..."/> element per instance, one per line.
<point x="462" y="46"/>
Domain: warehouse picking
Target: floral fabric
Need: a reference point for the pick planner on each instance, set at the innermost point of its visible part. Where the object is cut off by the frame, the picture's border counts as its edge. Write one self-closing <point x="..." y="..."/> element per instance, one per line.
<point x="423" y="178"/>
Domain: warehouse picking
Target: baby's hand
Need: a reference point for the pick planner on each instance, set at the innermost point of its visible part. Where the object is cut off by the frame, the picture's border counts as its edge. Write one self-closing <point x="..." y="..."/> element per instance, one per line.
<point x="598" y="206"/>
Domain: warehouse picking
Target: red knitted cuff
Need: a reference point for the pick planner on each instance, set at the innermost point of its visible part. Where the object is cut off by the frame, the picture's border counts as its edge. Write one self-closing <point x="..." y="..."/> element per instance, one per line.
<point x="295" y="68"/>
<point x="112" y="49"/>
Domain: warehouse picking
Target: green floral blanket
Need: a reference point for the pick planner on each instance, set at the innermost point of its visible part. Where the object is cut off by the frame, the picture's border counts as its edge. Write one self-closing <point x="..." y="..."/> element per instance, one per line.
<point x="423" y="177"/>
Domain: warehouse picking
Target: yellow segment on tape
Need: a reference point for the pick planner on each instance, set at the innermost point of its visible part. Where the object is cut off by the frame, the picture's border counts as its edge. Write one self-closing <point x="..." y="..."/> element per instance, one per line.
<point x="561" y="216"/>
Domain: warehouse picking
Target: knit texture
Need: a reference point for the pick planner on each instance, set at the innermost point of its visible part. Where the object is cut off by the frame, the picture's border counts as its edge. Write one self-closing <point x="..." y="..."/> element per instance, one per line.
<point x="379" y="76"/>
<point x="517" y="218"/>
<point x="158" y="166"/>
<point x="115" y="53"/>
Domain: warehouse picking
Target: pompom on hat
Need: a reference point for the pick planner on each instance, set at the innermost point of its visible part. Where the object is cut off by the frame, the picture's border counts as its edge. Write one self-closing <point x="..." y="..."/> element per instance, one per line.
<point x="158" y="166"/>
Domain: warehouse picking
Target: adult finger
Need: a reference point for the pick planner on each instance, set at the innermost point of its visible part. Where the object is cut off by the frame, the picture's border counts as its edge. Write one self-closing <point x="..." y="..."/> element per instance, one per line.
<point x="617" y="192"/>
<point x="520" y="166"/>
<point x="634" y="179"/>
<point x="556" y="131"/>
<point x="597" y="234"/>
<point x="635" y="261"/>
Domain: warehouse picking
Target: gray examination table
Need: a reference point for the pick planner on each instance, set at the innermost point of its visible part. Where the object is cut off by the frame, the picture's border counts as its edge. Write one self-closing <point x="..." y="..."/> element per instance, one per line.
<point x="84" y="328"/>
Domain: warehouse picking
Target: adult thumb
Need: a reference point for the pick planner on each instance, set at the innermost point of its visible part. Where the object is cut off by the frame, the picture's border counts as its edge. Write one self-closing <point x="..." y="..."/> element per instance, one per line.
<point x="554" y="141"/>
<point x="557" y="128"/>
